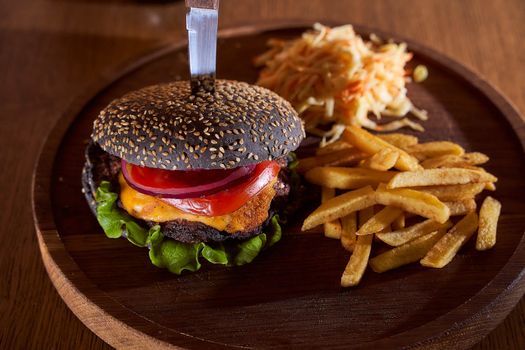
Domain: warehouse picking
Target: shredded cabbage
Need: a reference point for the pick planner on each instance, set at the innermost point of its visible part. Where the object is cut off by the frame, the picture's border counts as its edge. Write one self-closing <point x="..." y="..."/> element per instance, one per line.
<point x="333" y="76"/>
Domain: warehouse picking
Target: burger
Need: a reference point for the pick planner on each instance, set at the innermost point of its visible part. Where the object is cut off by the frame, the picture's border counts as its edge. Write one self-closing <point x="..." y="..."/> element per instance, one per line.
<point x="194" y="176"/>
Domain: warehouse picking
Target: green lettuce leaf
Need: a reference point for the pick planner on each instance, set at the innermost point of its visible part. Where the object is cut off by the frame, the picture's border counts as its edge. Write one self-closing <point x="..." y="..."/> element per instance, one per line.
<point x="177" y="256"/>
<point x="114" y="221"/>
<point x="249" y="249"/>
<point x="155" y="237"/>
<point x="216" y="255"/>
<point x="293" y="162"/>
<point x="277" y="231"/>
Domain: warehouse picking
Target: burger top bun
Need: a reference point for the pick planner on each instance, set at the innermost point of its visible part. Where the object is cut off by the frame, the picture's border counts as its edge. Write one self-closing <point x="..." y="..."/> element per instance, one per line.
<point x="165" y="126"/>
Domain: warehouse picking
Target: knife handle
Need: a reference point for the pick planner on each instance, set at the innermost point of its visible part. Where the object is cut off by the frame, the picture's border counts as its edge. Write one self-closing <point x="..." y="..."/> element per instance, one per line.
<point x="203" y="4"/>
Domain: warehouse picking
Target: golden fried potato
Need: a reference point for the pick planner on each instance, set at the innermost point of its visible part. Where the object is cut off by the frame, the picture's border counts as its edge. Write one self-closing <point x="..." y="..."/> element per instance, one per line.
<point x="347" y="178"/>
<point x="399" y="222"/>
<point x="490" y="186"/>
<point x="370" y="144"/>
<point x="439" y="177"/>
<point x="488" y="223"/>
<point x="340" y="206"/>
<point x="358" y="261"/>
<point x="364" y="215"/>
<point x="399" y="140"/>
<point x="400" y="237"/>
<point x="455" y="161"/>
<point x="433" y="149"/>
<point x="447" y="247"/>
<point x="380" y="221"/>
<point x="382" y="160"/>
<point x="332" y="229"/>
<point x="338" y="145"/>
<point x="349" y="228"/>
<point x="407" y="253"/>
<point x="388" y="228"/>
<point x="416" y="202"/>
<point x="461" y="207"/>
<point x="451" y="193"/>
<point x="341" y="157"/>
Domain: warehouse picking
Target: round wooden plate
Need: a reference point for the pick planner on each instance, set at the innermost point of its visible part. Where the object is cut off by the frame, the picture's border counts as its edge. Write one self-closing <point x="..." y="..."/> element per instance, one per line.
<point x="290" y="296"/>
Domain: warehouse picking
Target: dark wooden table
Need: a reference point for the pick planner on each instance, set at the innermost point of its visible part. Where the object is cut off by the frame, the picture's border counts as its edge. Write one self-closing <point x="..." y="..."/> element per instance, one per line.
<point x="52" y="51"/>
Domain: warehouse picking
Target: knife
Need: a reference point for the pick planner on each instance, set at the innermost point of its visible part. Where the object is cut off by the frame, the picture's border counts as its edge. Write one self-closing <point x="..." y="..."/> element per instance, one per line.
<point x="201" y="23"/>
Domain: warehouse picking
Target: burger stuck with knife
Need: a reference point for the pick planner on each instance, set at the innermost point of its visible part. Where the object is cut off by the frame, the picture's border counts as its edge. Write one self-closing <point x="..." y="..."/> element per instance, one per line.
<point x="192" y="170"/>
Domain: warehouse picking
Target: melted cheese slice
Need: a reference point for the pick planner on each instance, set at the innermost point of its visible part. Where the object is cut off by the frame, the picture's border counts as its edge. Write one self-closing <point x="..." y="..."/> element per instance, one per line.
<point x="249" y="216"/>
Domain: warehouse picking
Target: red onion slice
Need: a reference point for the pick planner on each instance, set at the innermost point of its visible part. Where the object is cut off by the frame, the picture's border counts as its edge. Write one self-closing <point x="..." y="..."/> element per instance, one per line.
<point x="187" y="192"/>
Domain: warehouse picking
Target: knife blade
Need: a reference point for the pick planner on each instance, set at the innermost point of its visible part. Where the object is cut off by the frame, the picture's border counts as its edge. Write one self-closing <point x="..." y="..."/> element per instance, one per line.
<point x="201" y="24"/>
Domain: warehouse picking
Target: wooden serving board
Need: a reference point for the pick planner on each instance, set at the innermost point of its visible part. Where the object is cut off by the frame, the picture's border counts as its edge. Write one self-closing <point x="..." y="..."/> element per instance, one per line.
<point x="290" y="296"/>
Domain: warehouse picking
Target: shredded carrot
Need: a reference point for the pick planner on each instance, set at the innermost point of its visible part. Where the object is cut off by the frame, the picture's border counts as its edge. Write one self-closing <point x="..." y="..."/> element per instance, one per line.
<point x="333" y="76"/>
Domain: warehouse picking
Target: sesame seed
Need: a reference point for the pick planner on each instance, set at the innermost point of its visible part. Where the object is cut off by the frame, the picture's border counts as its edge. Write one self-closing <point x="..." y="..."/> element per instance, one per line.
<point x="156" y="122"/>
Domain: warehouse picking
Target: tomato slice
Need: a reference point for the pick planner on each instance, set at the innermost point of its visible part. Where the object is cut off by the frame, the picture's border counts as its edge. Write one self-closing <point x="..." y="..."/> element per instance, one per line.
<point x="162" y="179"/>
<point x="202" y="192"/>
<point x="232" y="198"/>
<point x="182" y="183"/>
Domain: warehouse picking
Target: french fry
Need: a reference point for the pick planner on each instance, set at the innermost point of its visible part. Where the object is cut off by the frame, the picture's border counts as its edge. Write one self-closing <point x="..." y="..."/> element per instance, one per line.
<point x="472" y="167"/>
<point x="400" y="237"/>
<point x="349" y="228"/>
<point x="379" y="221"/>
<point x="341" y="157"/>
<point x="461" y="207"/>
<point x="327" y="193"/>
<point x="340" y="206"/>
<point x="399" y="140"/>
<point x="452" y="193"/>
<point x="358" y="261"/>
<point x="399" y="222"/>
<point x="407" y="253"/>
<point x="351" y="159"/>
<point x="332" y="229"/>
<point x="490" y="186"/>
<point x="365" y="215"/>
<point x="347" y="178"/>
<point x="439" y="177"/>
<point x="388" y="228"/>
<point x="434" y="149"/>
<point x="332" y="147"/>
<point x="488" y="223"/>
<point x="447" y="247"/>
<point x="382" y="160"/>
<point x="416" y="202"/>
<point x="371" y="144"/>
<point x="455" y="161"/>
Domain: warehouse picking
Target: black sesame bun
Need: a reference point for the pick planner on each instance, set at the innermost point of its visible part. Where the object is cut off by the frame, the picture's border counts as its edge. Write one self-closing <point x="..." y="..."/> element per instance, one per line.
<point x="165" y="126"/>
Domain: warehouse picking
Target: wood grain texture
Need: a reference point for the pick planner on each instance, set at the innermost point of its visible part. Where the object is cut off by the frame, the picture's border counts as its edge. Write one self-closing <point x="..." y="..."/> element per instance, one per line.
<point x="289" y="285"/>
<point x="52" y="51"/>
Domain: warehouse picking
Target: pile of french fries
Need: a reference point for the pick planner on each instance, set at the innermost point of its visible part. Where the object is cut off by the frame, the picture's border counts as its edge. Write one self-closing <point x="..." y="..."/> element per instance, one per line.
<point x="372" y="184"/>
